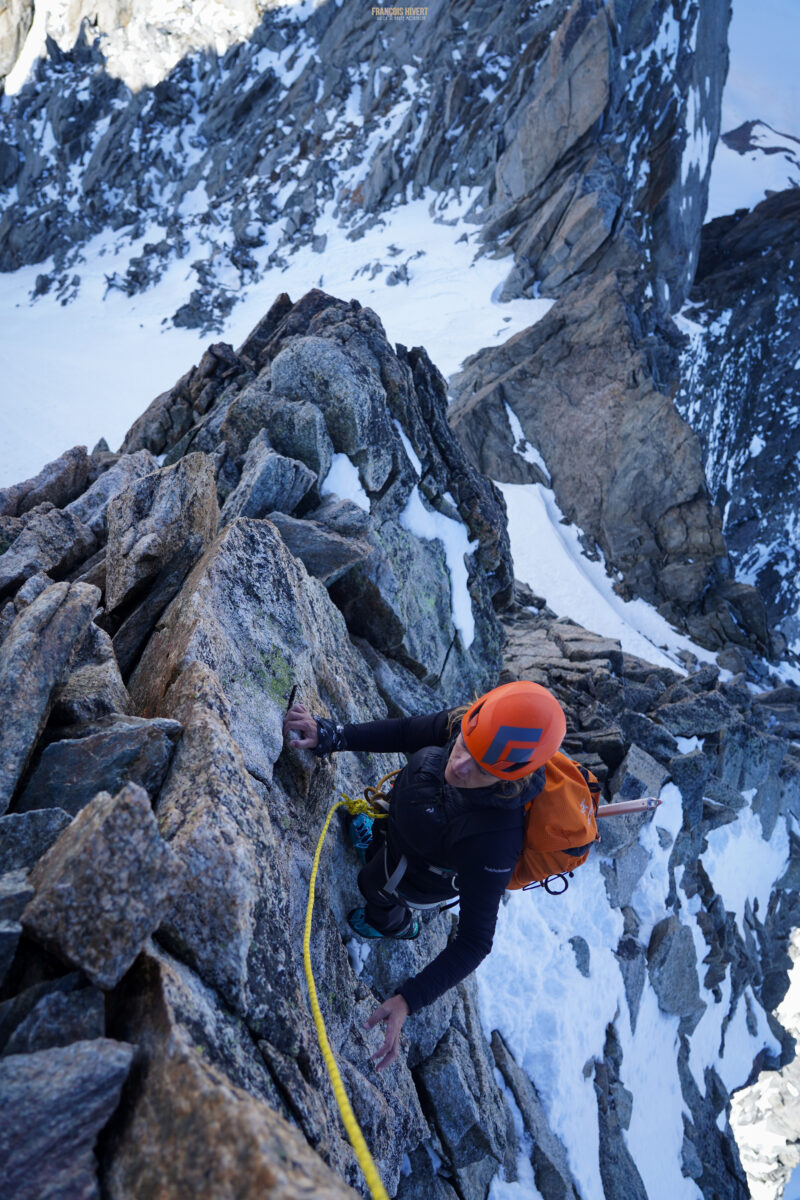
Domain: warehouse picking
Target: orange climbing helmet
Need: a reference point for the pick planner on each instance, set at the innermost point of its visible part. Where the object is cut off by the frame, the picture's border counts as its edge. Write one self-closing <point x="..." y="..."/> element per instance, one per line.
<point x="514" y="729"/>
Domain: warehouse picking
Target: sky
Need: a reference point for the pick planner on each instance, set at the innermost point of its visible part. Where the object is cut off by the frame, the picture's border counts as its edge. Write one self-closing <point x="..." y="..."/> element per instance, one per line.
<point x="762" y="85"/>
<point x="763" y="78"/>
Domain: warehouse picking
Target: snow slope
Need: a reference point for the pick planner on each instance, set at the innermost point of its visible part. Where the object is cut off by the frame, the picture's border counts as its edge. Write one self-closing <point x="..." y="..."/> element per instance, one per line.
<point x="554" y="1018"/>
<point x="77" y="372"/>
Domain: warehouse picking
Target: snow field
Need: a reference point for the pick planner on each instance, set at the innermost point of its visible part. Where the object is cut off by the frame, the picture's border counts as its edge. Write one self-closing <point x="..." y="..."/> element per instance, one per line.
<point x="741" y="865"/>
<point x="77" y="372"/>
<point x="650" y="896"/>
<point x="650" y="1072"/>
<point x="500" y="1190"/>
<point x="554" y="1019"/>
<point x="551" y="1017"/>
<point x="548" y="557"/>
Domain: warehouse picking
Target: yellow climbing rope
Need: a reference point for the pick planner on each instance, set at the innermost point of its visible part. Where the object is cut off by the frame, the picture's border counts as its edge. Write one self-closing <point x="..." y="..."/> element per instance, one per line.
<point x="373" y="797"/>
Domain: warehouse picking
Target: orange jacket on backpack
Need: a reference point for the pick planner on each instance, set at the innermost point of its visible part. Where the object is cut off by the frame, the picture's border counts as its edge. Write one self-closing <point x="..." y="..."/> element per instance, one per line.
<point x="560" y="818"/>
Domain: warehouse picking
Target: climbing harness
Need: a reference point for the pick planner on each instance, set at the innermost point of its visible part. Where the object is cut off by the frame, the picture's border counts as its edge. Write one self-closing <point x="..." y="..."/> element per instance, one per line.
<point x="375" y="804"/>
<point x="394" y="877"/>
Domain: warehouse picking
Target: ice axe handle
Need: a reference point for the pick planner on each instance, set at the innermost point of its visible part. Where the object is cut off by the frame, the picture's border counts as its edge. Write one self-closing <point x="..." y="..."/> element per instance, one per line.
<point x="645" y="804"/>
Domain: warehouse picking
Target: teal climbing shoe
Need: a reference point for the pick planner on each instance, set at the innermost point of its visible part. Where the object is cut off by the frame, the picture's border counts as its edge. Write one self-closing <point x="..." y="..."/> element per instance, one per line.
<point x="359" y="923"/>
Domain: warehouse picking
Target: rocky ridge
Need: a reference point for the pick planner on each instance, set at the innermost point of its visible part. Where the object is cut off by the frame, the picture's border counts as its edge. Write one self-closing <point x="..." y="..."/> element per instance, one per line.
<point x="161" y="606"/>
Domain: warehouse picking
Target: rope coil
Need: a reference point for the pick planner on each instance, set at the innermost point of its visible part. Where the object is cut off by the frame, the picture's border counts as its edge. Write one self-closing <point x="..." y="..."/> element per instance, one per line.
<point x="370" y="804"/>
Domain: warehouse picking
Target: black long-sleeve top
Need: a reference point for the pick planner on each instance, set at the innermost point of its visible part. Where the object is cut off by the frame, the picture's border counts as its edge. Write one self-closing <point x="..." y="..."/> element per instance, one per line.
<point x="480" y="839"/>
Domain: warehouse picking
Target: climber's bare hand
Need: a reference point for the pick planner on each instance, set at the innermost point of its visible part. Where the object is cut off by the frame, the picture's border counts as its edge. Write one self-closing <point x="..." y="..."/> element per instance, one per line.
<point x="299" y="721"/>
<point x="393" y="1012"/>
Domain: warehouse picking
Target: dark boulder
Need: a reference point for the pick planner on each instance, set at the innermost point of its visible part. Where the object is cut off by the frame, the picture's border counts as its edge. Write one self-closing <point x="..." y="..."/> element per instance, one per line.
<point x="53" y="1104"/>
<point x="59" y="482"/>
<point x="51" y="542"/>
<point x="104" y="886"/>
<point x="25" y="837"/>
<point x="71" y="772"/>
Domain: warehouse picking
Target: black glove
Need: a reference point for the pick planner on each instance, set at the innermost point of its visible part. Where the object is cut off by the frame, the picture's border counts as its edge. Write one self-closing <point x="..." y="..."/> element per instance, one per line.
<point x="330" y="737"/>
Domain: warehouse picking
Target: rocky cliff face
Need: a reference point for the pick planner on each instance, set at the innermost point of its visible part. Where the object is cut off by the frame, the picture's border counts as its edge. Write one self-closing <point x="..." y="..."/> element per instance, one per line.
<point x="611" y="226"/>
<point x="592" y="147"/>
<point x="580" y="385"/>
<point x="740" y="392"/>
<point x="256" y="533"/>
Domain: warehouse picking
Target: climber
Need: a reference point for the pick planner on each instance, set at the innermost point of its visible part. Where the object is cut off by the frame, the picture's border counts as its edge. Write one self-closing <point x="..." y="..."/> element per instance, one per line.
<point x="455" y="826"/>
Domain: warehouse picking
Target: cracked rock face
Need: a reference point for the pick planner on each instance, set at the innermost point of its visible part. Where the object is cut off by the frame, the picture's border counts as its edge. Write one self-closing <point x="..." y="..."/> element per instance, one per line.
<point x="34" y="660"/>
<point x="188" y="1128"/>
<point x="212" y="819"/>
<point x="244" y="612"/>
<point x="152" y="519"/>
